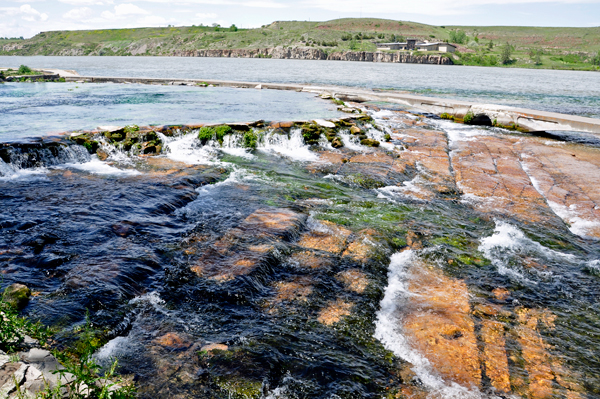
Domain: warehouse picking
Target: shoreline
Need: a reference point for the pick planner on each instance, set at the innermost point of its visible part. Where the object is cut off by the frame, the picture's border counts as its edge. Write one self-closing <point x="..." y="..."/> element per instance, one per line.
<point x="521" y="119"/>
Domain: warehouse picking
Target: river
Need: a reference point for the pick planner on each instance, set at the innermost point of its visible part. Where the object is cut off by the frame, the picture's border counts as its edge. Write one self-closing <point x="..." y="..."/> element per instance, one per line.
<point x="569" y="92"/>
<point x="451" y="261"/>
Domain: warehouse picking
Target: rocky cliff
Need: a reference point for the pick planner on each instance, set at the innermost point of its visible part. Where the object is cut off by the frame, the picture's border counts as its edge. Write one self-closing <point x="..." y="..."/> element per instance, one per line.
<point x="309" y="53"/>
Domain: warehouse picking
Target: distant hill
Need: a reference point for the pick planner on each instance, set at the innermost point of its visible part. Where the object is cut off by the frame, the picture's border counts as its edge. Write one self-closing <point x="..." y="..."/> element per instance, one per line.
<point x="534" y="47"/>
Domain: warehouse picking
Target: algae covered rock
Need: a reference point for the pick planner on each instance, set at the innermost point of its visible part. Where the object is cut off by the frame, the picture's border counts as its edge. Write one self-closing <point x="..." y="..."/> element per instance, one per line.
<point x="17" y="295"/>
<point x="370" y="142"/>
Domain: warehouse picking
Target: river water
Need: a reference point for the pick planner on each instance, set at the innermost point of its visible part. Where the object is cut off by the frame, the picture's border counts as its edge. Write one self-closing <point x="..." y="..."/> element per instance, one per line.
<point x="451" y="262"/>
<point x="569" y="92"/>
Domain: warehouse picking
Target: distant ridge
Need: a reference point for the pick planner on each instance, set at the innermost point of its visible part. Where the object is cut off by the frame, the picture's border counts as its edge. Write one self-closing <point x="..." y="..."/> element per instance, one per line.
<point x="534" y="47"/>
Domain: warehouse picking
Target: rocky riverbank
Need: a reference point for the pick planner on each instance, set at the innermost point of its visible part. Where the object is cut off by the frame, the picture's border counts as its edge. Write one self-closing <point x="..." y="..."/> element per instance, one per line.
<point x="309" y="53"/>
<point x="279" y="52"/>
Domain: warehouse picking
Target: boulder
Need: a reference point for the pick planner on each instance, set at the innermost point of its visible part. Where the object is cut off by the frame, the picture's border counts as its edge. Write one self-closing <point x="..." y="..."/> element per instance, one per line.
<point x="17" y="295"/>
<point x="355" y="130"/>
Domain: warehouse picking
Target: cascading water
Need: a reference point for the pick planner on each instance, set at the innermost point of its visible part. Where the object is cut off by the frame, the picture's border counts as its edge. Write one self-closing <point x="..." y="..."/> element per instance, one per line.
<point x="413" y="269"/>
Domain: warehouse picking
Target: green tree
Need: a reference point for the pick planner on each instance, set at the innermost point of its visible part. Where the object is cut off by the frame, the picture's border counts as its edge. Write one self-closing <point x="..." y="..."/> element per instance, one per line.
<point x="505" y="54"/>
<point x="233" y="28"/>
<point x="458" y="36"/>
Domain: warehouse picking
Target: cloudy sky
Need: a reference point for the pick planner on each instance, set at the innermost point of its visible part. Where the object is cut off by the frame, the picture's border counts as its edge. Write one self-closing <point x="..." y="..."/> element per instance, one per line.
<point x="29" y="17"/>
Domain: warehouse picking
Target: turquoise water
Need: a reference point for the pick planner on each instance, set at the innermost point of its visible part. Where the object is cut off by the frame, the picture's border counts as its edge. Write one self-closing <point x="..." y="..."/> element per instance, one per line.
<point x="35" y="109"/>
<point x="571" y="92"/>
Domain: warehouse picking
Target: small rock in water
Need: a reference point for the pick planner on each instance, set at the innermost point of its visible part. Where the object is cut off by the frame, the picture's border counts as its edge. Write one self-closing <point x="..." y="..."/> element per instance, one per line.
<point x="259" y="87"/>
<point x="102" y="155"/>
<point x="212" y="347"/>
<point x="17" y="295"/>
<point x="355" y="130"/>
<point x="370" y="142"/>
<point x="324" y="123"/>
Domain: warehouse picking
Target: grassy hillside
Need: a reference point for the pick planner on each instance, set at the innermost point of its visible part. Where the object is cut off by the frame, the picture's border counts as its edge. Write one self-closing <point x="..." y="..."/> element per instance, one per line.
<point x="535" y="47"/>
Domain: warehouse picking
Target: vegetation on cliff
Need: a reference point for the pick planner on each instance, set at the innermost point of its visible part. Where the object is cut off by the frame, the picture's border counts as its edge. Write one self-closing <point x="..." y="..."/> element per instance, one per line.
<point x="536" y="47"/>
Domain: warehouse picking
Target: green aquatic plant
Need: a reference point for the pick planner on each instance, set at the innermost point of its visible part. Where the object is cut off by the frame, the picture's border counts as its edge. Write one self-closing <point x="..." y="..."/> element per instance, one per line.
<point x="468" y="118"/>
<point x="446" y="115"/>
<point x="207" y="133"/>
<point x="250" y="139"/>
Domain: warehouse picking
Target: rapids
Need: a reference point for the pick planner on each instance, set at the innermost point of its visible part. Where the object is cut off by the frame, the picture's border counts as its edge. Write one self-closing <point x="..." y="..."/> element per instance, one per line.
<point x="438" y="265"/>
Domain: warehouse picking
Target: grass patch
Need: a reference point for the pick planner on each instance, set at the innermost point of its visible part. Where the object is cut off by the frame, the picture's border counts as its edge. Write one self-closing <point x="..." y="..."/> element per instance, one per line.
<point x="88" y="381"/>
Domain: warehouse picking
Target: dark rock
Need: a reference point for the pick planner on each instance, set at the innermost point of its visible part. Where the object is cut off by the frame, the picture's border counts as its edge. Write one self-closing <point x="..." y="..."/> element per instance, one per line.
<point x="337" y="143"/>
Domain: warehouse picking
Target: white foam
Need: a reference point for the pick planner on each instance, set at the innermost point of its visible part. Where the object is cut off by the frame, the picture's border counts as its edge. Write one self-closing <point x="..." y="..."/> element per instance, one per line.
<point x="23" y="174"/>
<point x="352" y="142"/>
<point x="187" y="149"/>
<point x="458" y="132"/>
<point x="408" y="189"/>
<point x="97" y="167"/>
<point x="292" y="147"/>
<point x="506" y="242"/>
<point x="388" y="330"/>
<point x="232" y="145"/>
<point x="577" y="225"/>
<point x="112" y="349"/>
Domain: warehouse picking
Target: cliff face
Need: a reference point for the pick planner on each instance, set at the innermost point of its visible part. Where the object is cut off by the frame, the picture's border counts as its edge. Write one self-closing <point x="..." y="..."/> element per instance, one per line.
<point x="309" y="53"/>
<point x="291" y="53"/>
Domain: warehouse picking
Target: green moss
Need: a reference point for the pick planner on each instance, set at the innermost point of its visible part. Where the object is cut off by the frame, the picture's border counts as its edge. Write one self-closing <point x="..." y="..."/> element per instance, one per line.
<point x="240" y="388"/>
<point x="214" y="132"/>
<point x="370" y="142"/>
<point x="468" y="118"/>
<point x="446" y="115"/>
<point x="17" y="296"/>
<point x="365" y="181"/>
<point x="311" y="133"/>
<point x="250" y="139"/>
<point x="131" y="129"/>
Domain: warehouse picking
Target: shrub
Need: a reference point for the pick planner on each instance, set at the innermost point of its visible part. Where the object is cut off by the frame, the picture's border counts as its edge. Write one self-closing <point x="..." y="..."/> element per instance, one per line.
<point x="505" y="54"/>
<point x="24" y="69"/>
<point x="458" y="36"/>
<point x="596" y="59"/>
<point x="446" y="115"/>
<point x="233" y="28"/>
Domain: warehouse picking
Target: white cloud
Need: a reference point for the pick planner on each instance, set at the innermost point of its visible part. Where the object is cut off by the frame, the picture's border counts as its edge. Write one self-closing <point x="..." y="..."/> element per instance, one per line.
<point x="152" y="20"/>
<point x="129" y="9"/>
<point x="205" y="16"/>
<point x="423" y="7"/>
<point x="78" y="14"/>
<point x="243" y="3"/>
<point x="86" y="2"/>
<point x="26" y="12"/>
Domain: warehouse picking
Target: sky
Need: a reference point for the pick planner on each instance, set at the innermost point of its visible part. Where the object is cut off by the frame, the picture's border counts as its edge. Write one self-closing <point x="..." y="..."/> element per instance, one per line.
<point x="28" y="17"/>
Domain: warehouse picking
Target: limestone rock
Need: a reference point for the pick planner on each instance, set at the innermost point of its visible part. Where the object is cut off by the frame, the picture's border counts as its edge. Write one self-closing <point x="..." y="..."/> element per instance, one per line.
<point x="324" y="123"/>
